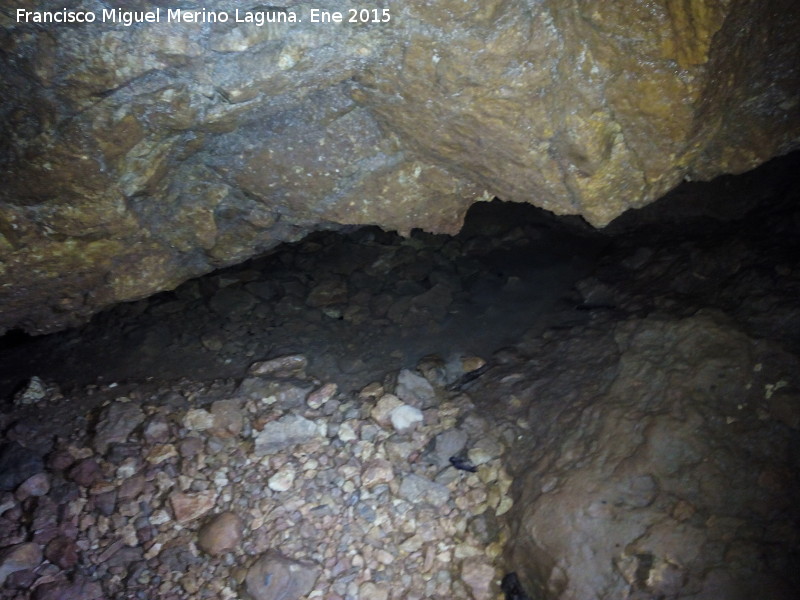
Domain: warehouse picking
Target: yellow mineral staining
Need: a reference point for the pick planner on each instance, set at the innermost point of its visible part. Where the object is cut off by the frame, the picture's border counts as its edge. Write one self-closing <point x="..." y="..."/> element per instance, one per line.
<point x="694" y="23"/>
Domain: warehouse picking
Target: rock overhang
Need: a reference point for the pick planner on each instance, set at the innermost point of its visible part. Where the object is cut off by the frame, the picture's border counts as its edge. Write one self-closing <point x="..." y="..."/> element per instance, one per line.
<point x="136" y="157"/>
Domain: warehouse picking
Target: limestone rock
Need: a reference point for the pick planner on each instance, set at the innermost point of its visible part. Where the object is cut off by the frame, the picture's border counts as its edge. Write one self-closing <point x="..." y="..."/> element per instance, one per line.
<point x="221" y="534"/>
<point x="282" y="366"/>
<point x="382" y="412"/>
<point x="418" y="489"/>
<point x="19" y="558"/>
<point x="627" y="466"/>
<point x="276" y="577"/>
<point x="405" y="417"/>
<point x="377" y="472"/>
<point x="34" y="392"/>
<point x="414" y="389"/>
<point x="198" y="419"/>
<point x="479" y="576"/>
<point x="446" y="445"/>
<point x="228" y="418"/>
<point x="80" y="589"/>
<point x="116" y="423"/>
<point x="282" y="480"/>
<point x="319" y="397"/>
<point x="37" y="485"/>
<point x="284" y="433"/>
<point x="219" y="143"/>
<point x="188" y="507"/>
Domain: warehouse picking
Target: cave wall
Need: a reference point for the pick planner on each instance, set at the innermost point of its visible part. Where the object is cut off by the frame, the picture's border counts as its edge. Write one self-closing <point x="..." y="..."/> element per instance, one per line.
<point x="136" y="157"/>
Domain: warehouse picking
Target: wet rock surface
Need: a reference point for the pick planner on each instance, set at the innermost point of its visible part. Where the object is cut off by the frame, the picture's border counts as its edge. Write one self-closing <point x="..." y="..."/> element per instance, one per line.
<point x="628" y="445"/>
<point x="137" y="157"/>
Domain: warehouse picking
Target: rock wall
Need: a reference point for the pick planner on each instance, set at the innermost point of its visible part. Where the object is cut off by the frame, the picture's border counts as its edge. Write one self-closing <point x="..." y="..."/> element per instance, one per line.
<point x="659" y="465"/>
<point x="136" y="157"/>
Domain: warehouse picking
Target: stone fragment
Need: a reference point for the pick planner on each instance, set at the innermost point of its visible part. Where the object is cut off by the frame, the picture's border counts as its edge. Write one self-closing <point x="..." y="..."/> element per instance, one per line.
<point x="161" y="453"/>
<point x="484" y="450"/>
<point x="405" y="417"/>
<point x="131" y="487"/>
<point x="190" y="447"/>
<point x="221" y="534"/>
<point x="62" y="551"/>
<point x="376" y="472"/>
<point x="85" y="472"/>
<point x="371" y="390"/>
<point x="284" y="393"/>
<point x="34" y="392"/>
<point x="17" y="464"/>
<point x="282" y="480"/>
<point x="156" y="430"/>
<point x="35" y="486"/>
<point x="373" y="591"/>
<point x="188" y="507"/>
<point x="19" y="557"/>
<point x="347" y="432"/>
<point x="198" y="419"/>
<point x="81" y="589"/>
<point x="479" y="577"/>
<point x="328" y="292"/>
<point x="417" y="489"/>
<point x="446" y="445"/>
<point x="280" y="435"/>
<point x="321" y="396"/>
<point x="282" y="366"/>
<point x="382" y="412"/>
<point x="471" y="363"/>
<point x="116" y="423"/>
<point x="276" y="577"/>
<point x="415" y="390"/>
<point x="228" y="419"/>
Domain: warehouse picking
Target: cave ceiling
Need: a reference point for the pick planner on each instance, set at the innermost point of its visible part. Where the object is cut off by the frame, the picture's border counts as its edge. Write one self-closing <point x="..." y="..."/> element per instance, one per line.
<point x="138" y="155"/>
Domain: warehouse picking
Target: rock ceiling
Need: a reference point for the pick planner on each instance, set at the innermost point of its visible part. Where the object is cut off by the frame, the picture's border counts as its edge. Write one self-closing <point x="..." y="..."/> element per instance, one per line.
<point x="137" y="156"/>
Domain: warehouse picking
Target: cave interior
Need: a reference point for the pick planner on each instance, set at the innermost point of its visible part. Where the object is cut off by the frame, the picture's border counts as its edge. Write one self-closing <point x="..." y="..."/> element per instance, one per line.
<point x="461" y="379"/>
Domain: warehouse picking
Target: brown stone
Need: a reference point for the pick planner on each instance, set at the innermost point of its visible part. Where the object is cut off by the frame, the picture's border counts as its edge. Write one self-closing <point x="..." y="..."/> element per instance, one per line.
<point x="188" y="507"/>
<point x="86" y="472"/>
<point x="228" y="418"/>
<point x="62" y="551"/>
<point x="220" y="534"/>
<point x="19" y="557"/>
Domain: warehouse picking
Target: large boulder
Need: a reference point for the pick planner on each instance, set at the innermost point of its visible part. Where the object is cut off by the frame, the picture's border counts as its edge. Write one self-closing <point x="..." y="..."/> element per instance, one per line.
<point x="664" y="468"/>
<point x="137" y="156"/>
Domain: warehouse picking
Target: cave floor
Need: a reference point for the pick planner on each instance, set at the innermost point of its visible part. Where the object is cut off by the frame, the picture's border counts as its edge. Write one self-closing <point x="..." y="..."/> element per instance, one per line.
<point x="182" y="458"/>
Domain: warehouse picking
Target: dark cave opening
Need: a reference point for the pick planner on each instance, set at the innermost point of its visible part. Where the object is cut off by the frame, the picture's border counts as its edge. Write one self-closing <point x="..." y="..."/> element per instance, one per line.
<point x="526" y="339"/>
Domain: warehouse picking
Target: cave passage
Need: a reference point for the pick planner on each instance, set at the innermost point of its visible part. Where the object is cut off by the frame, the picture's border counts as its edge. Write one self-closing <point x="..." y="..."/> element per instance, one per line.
<point x="361" y="415"/>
